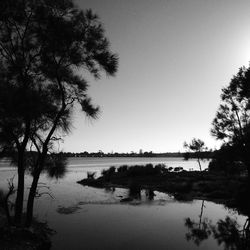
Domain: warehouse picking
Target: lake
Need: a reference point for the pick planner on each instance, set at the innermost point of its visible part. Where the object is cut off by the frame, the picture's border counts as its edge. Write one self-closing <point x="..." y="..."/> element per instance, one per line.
<point x="92" y="219"/>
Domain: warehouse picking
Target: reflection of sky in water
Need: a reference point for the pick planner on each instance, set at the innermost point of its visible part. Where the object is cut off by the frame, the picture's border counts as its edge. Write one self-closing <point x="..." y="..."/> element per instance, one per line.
<point x="107" y="162"/>
<point x="90" y="218"/>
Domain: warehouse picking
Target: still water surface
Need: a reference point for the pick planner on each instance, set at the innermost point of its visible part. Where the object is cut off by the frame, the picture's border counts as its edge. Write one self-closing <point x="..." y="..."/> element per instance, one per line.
<point x="90" y="218"/>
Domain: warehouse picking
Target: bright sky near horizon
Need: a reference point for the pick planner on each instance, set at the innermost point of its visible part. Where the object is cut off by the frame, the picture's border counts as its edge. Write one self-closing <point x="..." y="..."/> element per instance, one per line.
<point x="175" y="56"/>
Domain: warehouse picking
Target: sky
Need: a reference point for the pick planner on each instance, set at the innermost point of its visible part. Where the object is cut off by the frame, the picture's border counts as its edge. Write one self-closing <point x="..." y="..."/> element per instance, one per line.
<point x="174" y="58"/>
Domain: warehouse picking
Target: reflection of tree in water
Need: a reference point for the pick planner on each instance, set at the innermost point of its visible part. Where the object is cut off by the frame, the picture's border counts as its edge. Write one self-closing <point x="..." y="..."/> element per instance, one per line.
<point x="150" y="194"/>
<point x="198" y="231"/>
<point x="135" y="193"/>
<point x="227" y="232"/>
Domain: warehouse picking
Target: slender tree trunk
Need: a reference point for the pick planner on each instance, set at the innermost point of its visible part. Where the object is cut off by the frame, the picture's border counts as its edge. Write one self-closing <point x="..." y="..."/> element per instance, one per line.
<point x="33" y="188"/>
<point x="199" y="164"/>
<point x="21" y="169"/>
<point x="41" y="162"/>
<point x="20" y="190"/>
<point x="30" y="204"/>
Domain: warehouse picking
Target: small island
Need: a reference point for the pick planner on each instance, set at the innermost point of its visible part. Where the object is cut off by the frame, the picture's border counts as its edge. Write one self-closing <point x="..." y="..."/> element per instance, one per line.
<point x="228" y="189"/>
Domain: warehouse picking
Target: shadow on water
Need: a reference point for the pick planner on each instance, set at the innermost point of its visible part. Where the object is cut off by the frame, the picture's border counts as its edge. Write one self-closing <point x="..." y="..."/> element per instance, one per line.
<point x="226" y="232"/>
<point x="135" y="192"/>
<point x="134" y="196"/>
<point x="68" y="210"/>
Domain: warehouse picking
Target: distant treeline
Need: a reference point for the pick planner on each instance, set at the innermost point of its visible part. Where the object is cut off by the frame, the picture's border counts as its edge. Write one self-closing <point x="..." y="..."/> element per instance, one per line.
<point x="203" y="155"/>
<point x="207" y="154"/>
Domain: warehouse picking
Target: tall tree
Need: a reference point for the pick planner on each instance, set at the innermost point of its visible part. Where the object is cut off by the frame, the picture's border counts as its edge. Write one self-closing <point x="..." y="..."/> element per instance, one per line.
<point x="232" y="121"/>
<point x="196" y="146"/>
<point x="47" y="46"/>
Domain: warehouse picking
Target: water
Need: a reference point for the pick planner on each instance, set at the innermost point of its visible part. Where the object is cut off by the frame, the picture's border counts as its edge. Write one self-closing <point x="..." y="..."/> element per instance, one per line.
<point x="93" y="219"/>
<point x="97" y="163"/>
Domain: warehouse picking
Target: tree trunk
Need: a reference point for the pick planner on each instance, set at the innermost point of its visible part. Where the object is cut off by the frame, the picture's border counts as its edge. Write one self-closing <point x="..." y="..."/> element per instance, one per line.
<point x="41" y="162"/>
<point x="20" y="191"/>
<point x="30" y="204"/>
<point x="33" y="188"/>
<point x="21" y="168"/>
<point x="199" y="163"/>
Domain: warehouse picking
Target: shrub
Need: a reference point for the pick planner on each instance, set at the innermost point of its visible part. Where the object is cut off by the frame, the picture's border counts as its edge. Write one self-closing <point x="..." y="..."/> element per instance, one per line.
<point x="107" y="173"/>
<point x="122" y="169"/>
<point x="160" y="168"/>
<point x="228" y="167"/>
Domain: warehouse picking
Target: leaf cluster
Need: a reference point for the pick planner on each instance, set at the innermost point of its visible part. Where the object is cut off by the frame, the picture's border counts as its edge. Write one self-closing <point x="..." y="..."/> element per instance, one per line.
<point x="45" y="48"/>
<point x="231" y="123"/>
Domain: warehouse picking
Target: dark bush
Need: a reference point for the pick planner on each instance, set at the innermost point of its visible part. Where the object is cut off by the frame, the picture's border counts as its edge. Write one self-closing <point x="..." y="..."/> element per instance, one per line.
<point x="228" y="167"/>
<point x="107" y="173"/>
<point x="122" y="169"/>
<point x="160" y="168"/>
<point x="184" y="187"/>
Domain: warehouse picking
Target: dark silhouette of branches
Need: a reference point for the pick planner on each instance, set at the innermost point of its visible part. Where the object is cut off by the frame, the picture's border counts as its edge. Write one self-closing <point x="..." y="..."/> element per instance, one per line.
<point x="196" y="146"/>
<point x="231" y="123"/>
<point x="226" y="232"/>
<point x="45" y="49"/>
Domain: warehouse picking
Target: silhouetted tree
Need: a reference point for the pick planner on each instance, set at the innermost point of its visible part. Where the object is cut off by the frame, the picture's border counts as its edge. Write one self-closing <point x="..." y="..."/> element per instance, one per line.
<point x="43" y="47"/>
<point x="197" y="146"/>
<point x="231" y="123"/>
<point x="228" y="160"/>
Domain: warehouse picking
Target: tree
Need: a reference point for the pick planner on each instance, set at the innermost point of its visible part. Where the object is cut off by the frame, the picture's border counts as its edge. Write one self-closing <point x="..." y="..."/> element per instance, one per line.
<point x="45" y="48"/>
<point x="20" y="106"/>
<point x="196" y="146"/>
<point x="231" y="123"/>
<point x="198" y="231"/>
